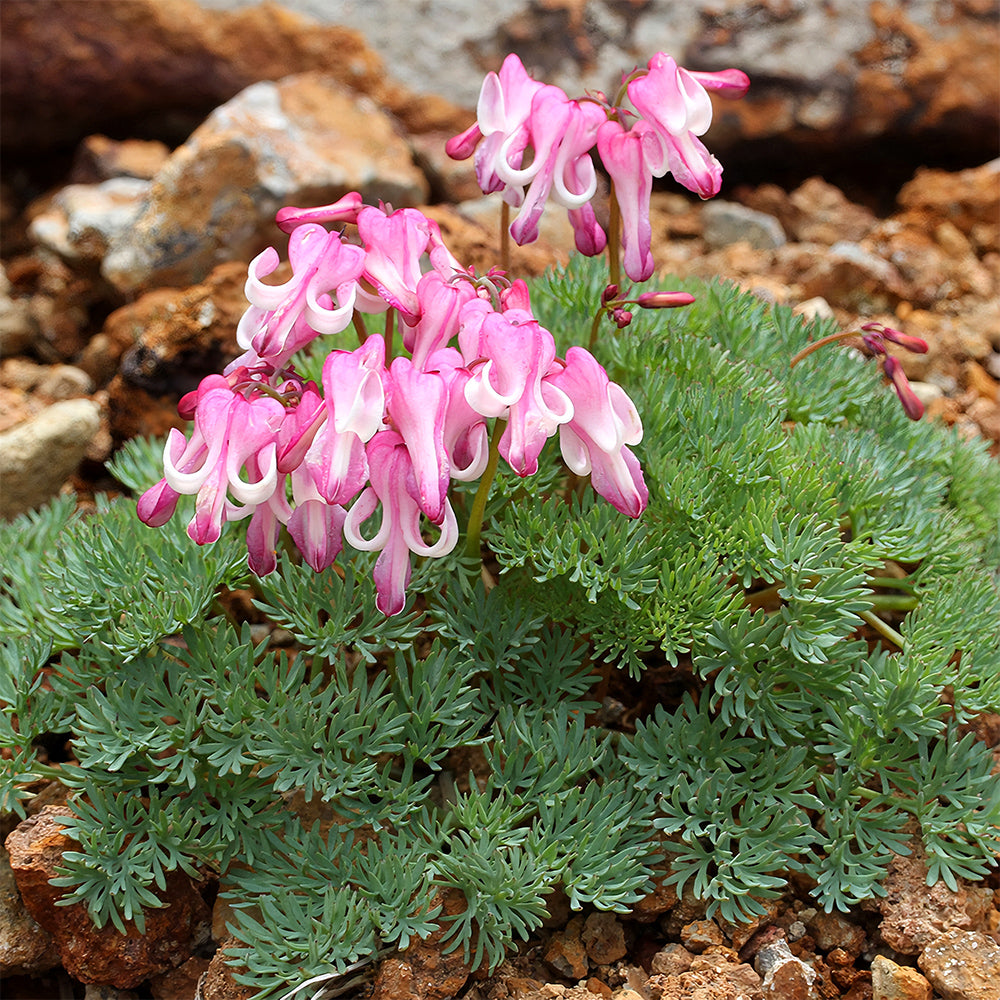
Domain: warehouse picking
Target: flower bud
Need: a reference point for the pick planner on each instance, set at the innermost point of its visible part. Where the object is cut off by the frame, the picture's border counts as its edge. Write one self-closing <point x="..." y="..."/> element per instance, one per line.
<point x="912" y="406"/>
<point x="609" y="294"/>
<point x="622" y="318"/>
<point x="664" y="300"/>
<point x="914" y="344"/>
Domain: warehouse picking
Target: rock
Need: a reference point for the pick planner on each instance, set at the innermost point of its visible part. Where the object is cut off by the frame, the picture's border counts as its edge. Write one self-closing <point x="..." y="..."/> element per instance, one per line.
<point x="39" y="455"/>
<point x="968" y="199"/>
<point x="95" y="992"/>
<point x="164" y="344"/>
<point x="785" y="977"/>
<point x="64" y="382"/>
<point x="671" y="960"/>
<point x="25" y="947"/>
<point x="173" y="62"/>
<point x="92" y="955"/>
<point x="979" y="380"/>
<point x="17" y="329"/>
<point x="701" y="934"/>
<point x="831" y="930"/>
<point x="963" y="965"/>
<point x="604" y="938"/>
<point x="566" y="952"/>
<point x="180" y="983"/>
<point x="425" y="971"/>
<point x="897" y="982"/>
<point x="661" y="900"/>
<point x="852" y="277"/>
<point x="305" y="140"/>
<point x="99" y="158"/>
<point x="82" y="220"/>
<point x="217" y="983"/>
<point x="726" y="222"/>
<point x="915" y="914"/>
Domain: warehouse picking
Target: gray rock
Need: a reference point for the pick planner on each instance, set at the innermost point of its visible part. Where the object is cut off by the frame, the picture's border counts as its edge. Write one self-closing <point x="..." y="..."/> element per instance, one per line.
<point x="17" y="328"/>
<point x="726" y="222"/>
<point x="38" y="456"/>
<point x="304" y="140"/>
<point x="84" y="219"/>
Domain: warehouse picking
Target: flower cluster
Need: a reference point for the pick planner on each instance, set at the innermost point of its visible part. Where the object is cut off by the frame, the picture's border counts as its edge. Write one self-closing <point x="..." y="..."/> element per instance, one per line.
<point x="532" y="142"/>
<point x="383" y="432"/>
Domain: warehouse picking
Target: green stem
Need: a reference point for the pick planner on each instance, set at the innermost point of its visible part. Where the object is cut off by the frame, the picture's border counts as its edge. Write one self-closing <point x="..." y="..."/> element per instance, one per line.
<point x="359" y="325"/>
<point x="390" y="329"/>
<point x="894" y="602"/>
<point x="482" y="494"/>
<point x="884" y="629"/>
<point x="504" y="237"/>
<point x="614" y="238"/>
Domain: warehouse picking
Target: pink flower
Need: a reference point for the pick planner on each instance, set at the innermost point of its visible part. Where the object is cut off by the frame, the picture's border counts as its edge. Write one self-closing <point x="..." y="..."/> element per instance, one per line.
<point x="316" y="526"/>
<point x="344" y="210"/>
<point x="500" y="135"/>
<point x="231" y="433"/>
<point x="417" y="403"/>
<point x="284" y="318"/>
<point x="398" y="535"/>
<point x="510" y="354"/>
<point x="440" y="302"/>
<point x="633" y="158"/>
<point x="466" y="440"/>
<point x="355" y="406"/>
<point x="562" y="134"/>
<point x="594" y="440"/>
<point x="912" y="406"/>
<point x="676" y="104"/>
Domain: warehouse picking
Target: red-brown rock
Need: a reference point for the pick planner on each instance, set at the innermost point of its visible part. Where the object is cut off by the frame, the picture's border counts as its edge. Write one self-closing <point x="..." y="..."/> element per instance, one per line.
<point x="91" y="954"/>
<point x="963" y="965"/>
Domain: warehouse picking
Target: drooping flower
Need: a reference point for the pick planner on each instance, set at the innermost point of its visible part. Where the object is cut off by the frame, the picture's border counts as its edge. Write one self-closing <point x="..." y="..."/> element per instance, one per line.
<point x="416" y="406"/>
<point x="232" y="433"/>
<point x="398" y="535"/>
<point x="316" y="526"/>
<point x="355" y="404"/>
<point x="632" y="158"/>
<point x="500" y="134"/>
<point x="510" y="354"/>
<point x="595" y="440"/>
<point x="676" y="104"/>
<point x="912" y="405"/>
<point x="440" y="302"/>
<point x="284" y="318"/>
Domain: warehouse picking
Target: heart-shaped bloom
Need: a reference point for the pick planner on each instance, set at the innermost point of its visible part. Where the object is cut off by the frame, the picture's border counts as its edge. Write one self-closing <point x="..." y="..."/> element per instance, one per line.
<point x="676" y="104"/>
<point x="399" y="534"/>
<point x="232" y="433"/>
<point x="594" y="441"/>
<point x="355" y="404"/>
<point x="440" y="302"/>
<point x="510" y="354"/>
<point x="284" y="318"/>
<point x="316" y="526"/>
<point x="632" y="158"/>
<point x="416" y="405"/>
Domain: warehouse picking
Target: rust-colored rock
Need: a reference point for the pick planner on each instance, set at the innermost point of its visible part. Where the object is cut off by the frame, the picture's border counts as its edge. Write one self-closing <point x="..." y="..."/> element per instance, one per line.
<point x="167" y="341"/>
<point x="566" y="952"/>
<point x="90" y="954"/>
<point x="897" y="982"/>
<point x="25" y="946"/>
<point x="915" y="914"/>
<point x="963" y="965"/>
<point x="604" y="938"/>
<point x="425" y="971"/>
<point x="90" y="66"/>
<point x="218" y="983"/>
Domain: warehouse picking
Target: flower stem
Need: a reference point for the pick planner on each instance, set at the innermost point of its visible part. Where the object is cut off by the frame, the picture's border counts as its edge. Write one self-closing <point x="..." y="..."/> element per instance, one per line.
<point x="390" y="329"/>
<point x="595" y="328"/>
<point x="504" y="237"/>
<point x="614" y="238"/>
<point x="482" y="494"/>
<point x="359" y="325"/>
<point x="816" y="345"/>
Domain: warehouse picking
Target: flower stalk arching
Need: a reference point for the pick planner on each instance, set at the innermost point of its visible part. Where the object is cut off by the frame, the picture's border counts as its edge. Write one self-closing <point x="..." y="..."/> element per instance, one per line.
<point x="478" y="510"/>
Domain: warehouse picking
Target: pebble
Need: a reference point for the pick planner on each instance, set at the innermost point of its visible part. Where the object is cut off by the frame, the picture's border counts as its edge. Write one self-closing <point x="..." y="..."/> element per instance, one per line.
<point x="604" y="938"/>
<point x="727" y="222"/>
<point x="785" y="977"/>
<point x="39" y="455"/>
<point x="963" y="965"/>
<point x="897" y="982"/>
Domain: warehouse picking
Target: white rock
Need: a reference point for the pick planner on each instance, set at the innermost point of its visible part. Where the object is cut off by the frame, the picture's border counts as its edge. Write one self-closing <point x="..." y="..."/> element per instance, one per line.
<point x="38" y="456"/>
